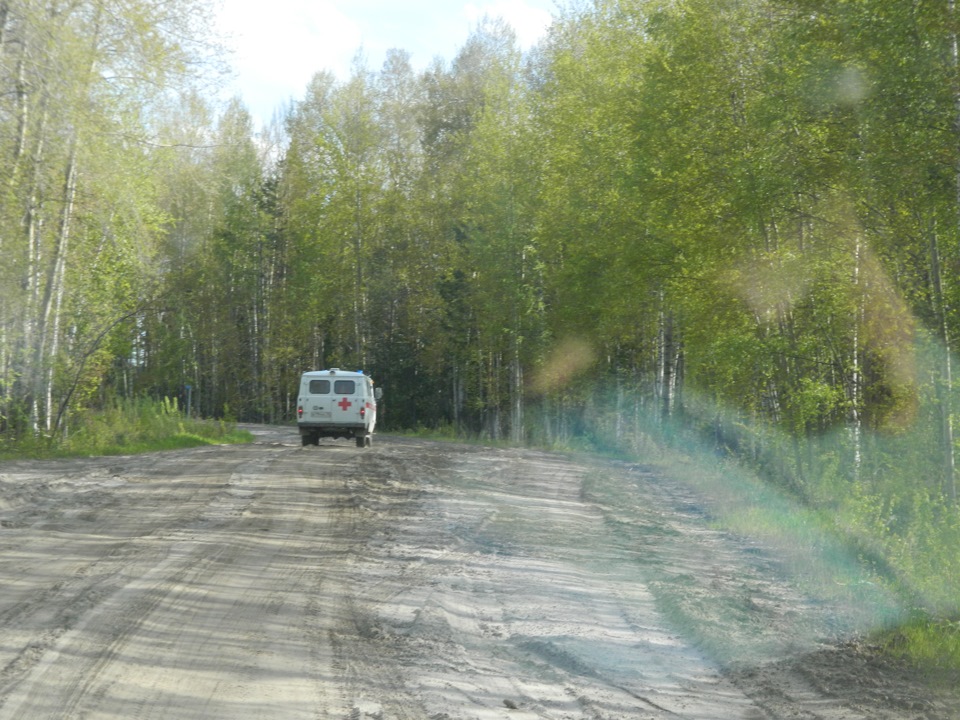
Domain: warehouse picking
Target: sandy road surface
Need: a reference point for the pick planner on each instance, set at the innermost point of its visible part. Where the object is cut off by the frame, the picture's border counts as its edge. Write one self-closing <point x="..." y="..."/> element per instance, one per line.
<point x="408" y="580"/>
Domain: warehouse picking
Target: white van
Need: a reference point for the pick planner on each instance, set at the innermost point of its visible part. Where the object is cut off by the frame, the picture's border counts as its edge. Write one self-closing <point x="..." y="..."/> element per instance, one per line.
<point x="337" y="404"/>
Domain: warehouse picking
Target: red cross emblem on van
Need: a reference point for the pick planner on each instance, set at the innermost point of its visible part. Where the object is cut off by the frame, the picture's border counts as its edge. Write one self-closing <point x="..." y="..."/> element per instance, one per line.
<point x="344" y="404"/>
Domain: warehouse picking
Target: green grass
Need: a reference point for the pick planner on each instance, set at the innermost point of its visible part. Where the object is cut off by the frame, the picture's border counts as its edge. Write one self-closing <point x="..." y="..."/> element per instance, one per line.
<point x="176" y="441"/>
<point x="447" y="433"/>
<point x="932" y="645"/>
<point x="127" y="428"/>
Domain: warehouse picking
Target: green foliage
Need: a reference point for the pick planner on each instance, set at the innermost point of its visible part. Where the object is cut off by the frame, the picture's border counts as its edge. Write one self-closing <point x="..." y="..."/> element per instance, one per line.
<point x="932" y="645"/>
<point x="134" y="426"/>
<point x="81" y="87"/>
<point x="129" y="427"/>
<point x="917" y="532"/>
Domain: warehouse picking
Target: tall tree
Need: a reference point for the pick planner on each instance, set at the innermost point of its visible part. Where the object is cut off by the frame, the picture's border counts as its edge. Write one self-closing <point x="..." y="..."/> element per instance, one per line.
<point x="80" y="80"/>
<point x="500" y="184"/>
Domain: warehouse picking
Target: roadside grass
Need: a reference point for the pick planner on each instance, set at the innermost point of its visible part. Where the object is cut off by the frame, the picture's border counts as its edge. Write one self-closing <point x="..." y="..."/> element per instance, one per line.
<point x="127" y="428"/>
<point x="447" y="433"/>
<point x="908" y="583"/>
<point x="932" y="646"/>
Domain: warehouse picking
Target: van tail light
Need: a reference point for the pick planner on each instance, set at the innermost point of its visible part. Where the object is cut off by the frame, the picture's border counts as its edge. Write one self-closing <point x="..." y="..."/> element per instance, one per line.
<point x="300" y="411"/>
<point x="363" y="412"/>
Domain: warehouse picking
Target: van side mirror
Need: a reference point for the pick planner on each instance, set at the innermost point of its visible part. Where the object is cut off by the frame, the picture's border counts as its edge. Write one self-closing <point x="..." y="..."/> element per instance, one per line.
<point x="378" y="393"/>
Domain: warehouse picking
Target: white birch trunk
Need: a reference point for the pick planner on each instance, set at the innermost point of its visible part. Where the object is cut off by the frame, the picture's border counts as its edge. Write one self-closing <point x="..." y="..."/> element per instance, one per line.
<point x="856" y="380"/>
<point x="58" y="281"/>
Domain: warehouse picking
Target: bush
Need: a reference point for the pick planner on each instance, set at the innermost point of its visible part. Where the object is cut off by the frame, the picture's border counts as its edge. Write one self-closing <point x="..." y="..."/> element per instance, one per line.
<point x="127" y="427"/>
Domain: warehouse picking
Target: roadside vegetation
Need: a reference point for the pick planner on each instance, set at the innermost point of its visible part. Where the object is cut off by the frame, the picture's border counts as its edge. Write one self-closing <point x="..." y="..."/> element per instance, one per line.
<point x="127" y="428"/>
<point x="844" y="541"/>
<point x="731" y="220"/>
<point x="933" y="646"/>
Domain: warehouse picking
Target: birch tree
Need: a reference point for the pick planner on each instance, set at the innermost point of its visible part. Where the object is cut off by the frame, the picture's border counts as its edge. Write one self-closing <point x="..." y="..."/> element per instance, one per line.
<point x="80" y="79"/>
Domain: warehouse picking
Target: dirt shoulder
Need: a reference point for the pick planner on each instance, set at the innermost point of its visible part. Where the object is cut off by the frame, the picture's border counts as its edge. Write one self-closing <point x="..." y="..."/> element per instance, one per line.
<point x="850" y="677"/>
<point x="417" y="580"/>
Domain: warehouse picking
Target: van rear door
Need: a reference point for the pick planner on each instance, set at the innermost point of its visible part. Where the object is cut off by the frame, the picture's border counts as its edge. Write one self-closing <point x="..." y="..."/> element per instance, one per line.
<point x="316" y="400"/>
<point x="346" y="401"/>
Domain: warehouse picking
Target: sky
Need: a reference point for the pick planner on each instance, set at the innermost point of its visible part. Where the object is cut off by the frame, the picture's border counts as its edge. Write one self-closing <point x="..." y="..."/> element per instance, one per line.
<point x="278" y="45"/>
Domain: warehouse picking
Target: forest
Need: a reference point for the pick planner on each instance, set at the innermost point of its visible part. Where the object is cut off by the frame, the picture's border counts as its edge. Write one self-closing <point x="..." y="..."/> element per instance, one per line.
<point x="734" y="220"/>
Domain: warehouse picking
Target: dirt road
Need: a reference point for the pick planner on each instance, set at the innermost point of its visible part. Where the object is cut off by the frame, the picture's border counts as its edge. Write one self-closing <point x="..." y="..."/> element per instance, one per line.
<point x="411" y="580"/>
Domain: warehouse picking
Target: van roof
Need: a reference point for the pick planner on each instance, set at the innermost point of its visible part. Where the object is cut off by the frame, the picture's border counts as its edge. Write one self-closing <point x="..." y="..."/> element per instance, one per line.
<point x="332" y="371"/>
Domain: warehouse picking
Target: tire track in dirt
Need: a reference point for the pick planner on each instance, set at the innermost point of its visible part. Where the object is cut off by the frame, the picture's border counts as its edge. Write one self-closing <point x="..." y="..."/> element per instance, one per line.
<point x="411" y="580"/>
<point x="108" y="600"/>
<point x="43" y="606"/>
<point x="502" y="600"/>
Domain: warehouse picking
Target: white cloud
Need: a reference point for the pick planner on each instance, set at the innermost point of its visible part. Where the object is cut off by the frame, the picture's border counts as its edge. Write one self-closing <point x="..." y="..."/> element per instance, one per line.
<point x="278" y="51"/>
<point x="279" y="45"/>
<point x="528" y="21"/>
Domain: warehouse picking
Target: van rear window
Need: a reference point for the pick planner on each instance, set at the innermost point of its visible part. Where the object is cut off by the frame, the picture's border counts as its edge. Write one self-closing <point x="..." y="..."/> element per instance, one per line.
<point x="344" y="387"/>
<point x="319" y="387"/>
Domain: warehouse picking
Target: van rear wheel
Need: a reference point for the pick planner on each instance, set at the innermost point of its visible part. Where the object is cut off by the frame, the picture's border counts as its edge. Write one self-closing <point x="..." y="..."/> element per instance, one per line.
<point x="361" y="441"/>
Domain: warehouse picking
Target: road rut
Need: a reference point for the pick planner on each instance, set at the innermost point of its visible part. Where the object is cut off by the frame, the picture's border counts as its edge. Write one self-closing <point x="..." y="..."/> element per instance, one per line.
<point x="411" y="580"/>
